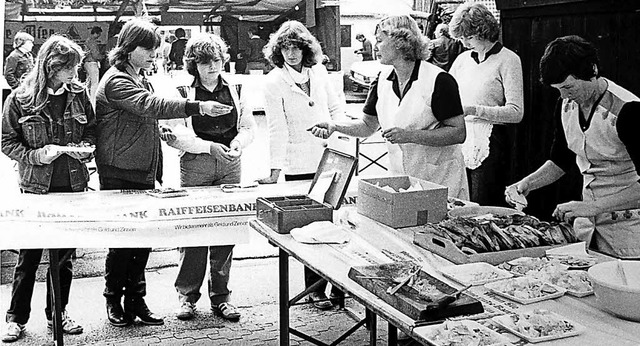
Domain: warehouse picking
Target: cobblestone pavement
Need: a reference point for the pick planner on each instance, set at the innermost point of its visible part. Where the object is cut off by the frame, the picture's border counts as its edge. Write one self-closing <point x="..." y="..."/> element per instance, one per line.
<point x="255" y="291"/>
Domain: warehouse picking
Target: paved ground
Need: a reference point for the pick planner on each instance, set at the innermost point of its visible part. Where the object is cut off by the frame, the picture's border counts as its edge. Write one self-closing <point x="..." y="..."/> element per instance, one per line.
<point x="255" y="290"/>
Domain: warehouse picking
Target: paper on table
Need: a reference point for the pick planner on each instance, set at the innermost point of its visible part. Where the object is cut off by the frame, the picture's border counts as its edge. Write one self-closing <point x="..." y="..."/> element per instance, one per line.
<point x="322" y="185"/>
<point x="320" y="232"/>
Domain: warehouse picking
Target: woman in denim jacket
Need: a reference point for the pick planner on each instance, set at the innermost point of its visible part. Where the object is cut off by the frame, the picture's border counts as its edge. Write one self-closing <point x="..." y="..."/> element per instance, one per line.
<point x="49" y="108"/>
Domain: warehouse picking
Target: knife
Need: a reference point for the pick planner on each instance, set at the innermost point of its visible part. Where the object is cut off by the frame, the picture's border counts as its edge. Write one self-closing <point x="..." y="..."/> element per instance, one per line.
<point x="447" y="299"/>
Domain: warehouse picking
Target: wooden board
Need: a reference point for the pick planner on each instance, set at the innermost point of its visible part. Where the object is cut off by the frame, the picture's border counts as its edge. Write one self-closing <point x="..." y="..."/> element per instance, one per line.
<point x="408" y="300"/>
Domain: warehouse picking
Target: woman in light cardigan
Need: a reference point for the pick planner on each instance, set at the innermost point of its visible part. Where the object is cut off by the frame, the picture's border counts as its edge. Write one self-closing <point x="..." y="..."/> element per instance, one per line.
<point x="298" y="94"/>
<point x="489" y="78"/>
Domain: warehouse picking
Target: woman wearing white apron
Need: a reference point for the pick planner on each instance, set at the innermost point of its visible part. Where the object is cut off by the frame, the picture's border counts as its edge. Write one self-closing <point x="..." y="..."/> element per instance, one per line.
<point x="596" y="128"/>
<point x="418" y="107"/>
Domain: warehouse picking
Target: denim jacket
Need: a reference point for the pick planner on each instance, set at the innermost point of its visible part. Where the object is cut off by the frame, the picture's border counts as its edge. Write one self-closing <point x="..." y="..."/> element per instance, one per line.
<point x="24" y="130"/>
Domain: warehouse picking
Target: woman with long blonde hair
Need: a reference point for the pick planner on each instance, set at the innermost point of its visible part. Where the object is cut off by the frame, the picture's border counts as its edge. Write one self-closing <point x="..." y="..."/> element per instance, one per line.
<point x="49" y="108"/>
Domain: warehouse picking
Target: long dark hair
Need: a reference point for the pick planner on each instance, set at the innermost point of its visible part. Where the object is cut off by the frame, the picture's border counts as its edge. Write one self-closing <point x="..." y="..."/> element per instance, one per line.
<point x="55" y="54"/>
<point x="135" y="33"/>
<point x="293" y="33"/>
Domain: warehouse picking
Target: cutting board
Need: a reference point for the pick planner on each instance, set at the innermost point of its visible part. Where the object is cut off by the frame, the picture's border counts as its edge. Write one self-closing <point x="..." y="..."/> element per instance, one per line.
<point x="414" y="298"/>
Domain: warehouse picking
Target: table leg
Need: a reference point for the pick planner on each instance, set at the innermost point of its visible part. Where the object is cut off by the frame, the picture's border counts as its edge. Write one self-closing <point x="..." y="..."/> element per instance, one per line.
<point x="373" y="326"/>
<point x="54" y="279"/>
<point x="283" y="264"/>
<point x="392" y="335"/>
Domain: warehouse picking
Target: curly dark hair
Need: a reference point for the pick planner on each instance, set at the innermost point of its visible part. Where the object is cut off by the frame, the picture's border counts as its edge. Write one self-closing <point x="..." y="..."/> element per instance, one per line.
<point x="134" y="33"/>
<point x="293" y="33"/>
<point x="202" y="49"/>
<point x="568" y="56"/>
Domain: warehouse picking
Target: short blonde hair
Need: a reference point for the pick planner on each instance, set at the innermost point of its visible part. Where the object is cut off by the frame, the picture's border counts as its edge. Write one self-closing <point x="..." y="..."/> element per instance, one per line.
<point x="20" y="38"/>
<point x="406" y="35"/>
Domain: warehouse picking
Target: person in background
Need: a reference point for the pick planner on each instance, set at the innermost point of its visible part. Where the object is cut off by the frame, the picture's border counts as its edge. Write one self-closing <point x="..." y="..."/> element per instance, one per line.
<point x="596" y="122"/>
<point x="176" y="53"/>
<point x="129" y="155"/>
<point x="417" y="106"/>
<point x="443" y="50"/>
<point x="253" y="53"/>
<point x="210" y="151"/>
<point x="50" y="107"/>
<point x="20" y="60"/>
<point x="166" y="49"/>
<point x="490" y="80"/>
<point x="92" y="61"/>
<point x="298" y="93"/>
<point x="367" y="49"/>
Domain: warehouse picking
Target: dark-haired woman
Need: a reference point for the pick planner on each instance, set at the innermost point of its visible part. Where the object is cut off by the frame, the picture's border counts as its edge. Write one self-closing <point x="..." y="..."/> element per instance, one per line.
<point x="298" y="94"/>
<point x="50" y="107"/>
<point x="129" y="156"/>
<point x="596" y="129"/>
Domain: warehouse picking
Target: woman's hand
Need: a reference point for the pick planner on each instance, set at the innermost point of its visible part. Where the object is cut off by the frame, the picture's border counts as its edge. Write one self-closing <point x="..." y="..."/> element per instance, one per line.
<point x="221" y="151"/>
<point x="570" y="210"/>
<point x="214" y="109"/>
<point x="396" y="135"/>
<point x="47" y="154"/>
<point x="272" y="179"/>
<point x="166" y="134"/>
<point x="322" y="130"/>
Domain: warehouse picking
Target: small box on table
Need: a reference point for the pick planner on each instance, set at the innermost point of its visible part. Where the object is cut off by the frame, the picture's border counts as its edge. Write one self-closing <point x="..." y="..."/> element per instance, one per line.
<point x="282" y="214"/>
<point x="401" y="209"/>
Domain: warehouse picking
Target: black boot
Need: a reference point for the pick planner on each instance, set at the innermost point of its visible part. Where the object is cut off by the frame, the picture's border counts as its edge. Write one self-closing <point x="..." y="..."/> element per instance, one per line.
<point x="115" y="313"/>
<point x="137" y="307"/>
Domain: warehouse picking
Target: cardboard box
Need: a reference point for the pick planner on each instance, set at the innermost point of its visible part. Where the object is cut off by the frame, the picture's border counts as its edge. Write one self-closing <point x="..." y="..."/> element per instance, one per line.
<point x="282" y="214"/>
<point x="401" y="209"/>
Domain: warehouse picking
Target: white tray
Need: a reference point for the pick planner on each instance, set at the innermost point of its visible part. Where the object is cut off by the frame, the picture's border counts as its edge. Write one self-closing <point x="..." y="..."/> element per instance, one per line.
<point x="507" y="322"/>
<point x="576" y="293"/>
<point x="429" y="331"/>
<point x="494" y="287"/>
<point x="464" y="273"/>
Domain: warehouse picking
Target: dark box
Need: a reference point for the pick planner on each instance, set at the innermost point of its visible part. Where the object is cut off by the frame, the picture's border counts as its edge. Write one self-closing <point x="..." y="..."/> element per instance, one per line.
<point x="282" y="214"/>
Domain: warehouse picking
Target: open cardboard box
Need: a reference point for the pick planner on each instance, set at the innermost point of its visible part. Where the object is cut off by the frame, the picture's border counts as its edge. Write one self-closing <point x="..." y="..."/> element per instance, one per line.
<point x="401" y="209"/>
<point x="282" y="214"/>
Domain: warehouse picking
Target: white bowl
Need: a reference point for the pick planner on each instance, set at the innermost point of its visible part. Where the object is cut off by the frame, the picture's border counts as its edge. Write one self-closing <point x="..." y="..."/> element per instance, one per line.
<point x="611" y="294"/>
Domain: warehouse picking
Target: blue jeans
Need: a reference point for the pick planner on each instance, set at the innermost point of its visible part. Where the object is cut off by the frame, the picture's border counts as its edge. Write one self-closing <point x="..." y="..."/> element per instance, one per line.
<point x="206" y="170"/>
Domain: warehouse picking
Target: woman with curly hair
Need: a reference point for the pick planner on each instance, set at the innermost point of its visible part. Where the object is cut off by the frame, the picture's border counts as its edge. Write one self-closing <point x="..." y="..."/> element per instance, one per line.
<point x="50" y="107"/>
<point x="298" y="94"/>
<point x="210" y="154"/>
<point x="490" y="80"/>
<point x="417" y="106"/>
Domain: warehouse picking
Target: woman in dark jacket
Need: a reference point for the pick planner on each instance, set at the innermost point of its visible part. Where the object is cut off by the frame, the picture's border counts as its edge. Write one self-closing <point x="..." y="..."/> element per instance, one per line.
<point x="129" y="156"/>
<point x="49" y="108"/>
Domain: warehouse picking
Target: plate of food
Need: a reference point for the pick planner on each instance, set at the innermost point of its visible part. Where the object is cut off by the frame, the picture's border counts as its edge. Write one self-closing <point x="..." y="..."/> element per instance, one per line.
<point x="478" y="273"/>
<point x="539" y="325"/>
<point x="576" y="282"/>
<point x="71" y="148"/>
<point x="529" y="265"/>
<point x="575" y="261"/>
<point x="525" y="290"/>
<point x="462" y="333"/>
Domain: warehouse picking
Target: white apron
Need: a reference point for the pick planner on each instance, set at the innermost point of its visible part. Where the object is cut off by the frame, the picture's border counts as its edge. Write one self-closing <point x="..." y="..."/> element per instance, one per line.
<point x="607" y="169"/>
<point x="441" y="165"/>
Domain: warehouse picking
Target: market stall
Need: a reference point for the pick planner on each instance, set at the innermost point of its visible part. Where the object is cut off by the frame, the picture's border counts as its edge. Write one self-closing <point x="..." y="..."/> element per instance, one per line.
<point x="372" y="243"/>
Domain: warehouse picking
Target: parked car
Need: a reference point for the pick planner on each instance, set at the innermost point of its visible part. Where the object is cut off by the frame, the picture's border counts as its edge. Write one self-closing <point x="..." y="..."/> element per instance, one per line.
<point x="363" y="73"/>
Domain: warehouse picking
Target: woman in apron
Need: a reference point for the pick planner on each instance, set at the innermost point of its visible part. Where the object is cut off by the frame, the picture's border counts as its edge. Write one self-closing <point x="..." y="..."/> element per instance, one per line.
<point x="418" y="107"/>
<point x="597" y="120"/>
